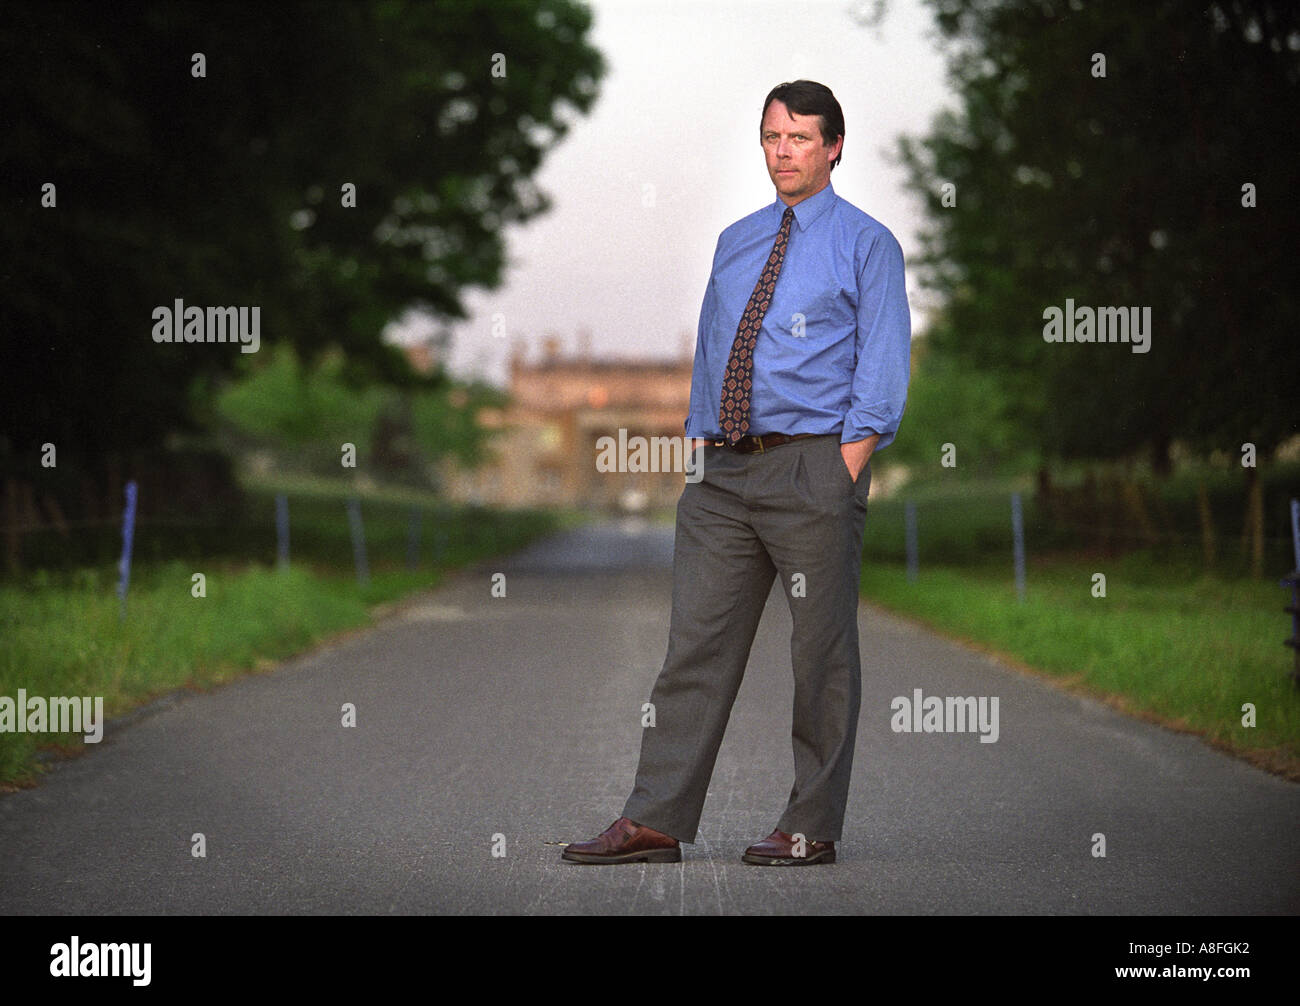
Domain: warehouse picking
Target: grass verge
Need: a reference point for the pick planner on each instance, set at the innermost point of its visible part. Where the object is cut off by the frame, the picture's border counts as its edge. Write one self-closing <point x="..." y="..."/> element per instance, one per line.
<point x="1188" y="654"/>
<point x="63" y="635"/>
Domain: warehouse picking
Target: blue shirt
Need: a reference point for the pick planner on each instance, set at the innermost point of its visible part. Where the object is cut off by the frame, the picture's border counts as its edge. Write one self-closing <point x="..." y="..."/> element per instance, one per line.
<point x="834" y="351"/>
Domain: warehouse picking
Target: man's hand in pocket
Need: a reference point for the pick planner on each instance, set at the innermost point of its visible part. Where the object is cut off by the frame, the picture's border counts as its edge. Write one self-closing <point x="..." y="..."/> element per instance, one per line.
<point x="857" y="453"/>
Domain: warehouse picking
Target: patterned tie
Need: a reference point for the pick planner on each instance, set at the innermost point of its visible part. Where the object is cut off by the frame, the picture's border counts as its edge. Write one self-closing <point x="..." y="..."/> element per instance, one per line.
<point x="736" y="384"/>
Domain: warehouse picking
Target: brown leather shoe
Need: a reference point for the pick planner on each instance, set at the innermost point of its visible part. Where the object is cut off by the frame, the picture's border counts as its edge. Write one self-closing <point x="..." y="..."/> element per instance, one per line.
<point x="778" y="850"/>
<point x="625" y="841"/>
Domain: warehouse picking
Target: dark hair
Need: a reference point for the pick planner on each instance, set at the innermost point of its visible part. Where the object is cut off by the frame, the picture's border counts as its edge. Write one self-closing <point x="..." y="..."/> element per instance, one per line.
<point x="807" y="97"/>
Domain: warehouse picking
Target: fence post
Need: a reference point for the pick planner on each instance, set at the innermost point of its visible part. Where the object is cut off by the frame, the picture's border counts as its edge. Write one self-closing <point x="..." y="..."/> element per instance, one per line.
<point x="282" y="530"/>
<point x="1018" y="545"/>
<point x="413" y="539"/>
<point x="913" y="553"/>
<point x="1293" y="581"/>
<point x="1295" y="530"/>
<point x="128" y="539"/>
<point x="358" y="541"/>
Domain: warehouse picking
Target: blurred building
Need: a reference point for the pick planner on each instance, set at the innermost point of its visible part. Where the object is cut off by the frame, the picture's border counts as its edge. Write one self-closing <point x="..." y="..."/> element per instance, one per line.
<point x="549" y="438"/>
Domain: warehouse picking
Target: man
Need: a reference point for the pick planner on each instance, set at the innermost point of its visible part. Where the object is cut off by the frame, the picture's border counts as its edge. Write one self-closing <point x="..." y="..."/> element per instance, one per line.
<point x="798" y="379"/>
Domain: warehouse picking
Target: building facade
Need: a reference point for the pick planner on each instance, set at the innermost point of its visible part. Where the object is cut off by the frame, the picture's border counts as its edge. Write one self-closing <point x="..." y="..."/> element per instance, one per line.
<point x="550" y="446"/>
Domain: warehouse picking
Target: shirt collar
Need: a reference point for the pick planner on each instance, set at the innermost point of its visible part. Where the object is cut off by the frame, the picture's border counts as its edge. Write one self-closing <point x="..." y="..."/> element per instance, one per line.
<point x="806" y="210"/>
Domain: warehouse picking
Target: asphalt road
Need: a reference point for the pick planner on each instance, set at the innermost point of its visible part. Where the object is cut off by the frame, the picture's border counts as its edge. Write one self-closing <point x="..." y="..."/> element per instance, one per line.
<point x="519" y="716"/>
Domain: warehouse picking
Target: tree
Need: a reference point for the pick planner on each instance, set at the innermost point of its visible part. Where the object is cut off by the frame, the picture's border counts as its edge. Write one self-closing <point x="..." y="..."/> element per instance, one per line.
<point x="1121" y="156"/>
<point x="330" y="164"/>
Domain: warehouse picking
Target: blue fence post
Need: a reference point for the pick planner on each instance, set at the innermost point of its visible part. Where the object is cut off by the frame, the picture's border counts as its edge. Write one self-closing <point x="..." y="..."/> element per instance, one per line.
<point x="913" y="553"/>
<point x="1295" y="530"/>
<point x="1292" y="580"/>
<point x="282" y="530"/>
<point x="413" y="539"/>
<point x="358" y="541"/>
<point x="439" y="545"/>
<point x="128" y="539"/>
<point x="1018" y="544"/>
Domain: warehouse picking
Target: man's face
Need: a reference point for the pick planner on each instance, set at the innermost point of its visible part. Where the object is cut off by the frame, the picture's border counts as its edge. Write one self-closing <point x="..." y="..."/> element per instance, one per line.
<point x="797" y="158"/>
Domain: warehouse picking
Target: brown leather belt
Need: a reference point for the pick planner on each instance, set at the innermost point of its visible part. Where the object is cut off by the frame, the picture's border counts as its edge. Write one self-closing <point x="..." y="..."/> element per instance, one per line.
<point x="750" y="444"/>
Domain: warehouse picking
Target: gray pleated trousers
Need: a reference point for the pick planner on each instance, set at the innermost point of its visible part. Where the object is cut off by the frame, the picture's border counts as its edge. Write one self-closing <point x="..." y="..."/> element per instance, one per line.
<point x="792" y="511"/>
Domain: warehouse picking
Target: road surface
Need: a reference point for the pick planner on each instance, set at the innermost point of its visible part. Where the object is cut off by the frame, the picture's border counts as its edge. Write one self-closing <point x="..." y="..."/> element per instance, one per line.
<point x="513" y="723"/>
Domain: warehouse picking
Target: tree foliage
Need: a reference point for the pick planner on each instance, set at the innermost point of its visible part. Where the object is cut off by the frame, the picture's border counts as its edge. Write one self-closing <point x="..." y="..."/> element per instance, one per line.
<point x="304" y="413"/>
<point x="1121" y="190"/>
<point x="952" y="403"/>
<point x="228" y="188"/>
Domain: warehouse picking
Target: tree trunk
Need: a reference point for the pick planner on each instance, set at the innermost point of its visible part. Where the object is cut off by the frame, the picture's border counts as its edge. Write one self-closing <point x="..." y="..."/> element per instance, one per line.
<point x="54" y="514"/>
<point x="13" y="535"/>
<point x="1044" y="496"/>
<point x="1137" y="509"/>
<point x="1253" y="527"/>
<point x="1208" y="547"/>
<point x="1161" y="464"/>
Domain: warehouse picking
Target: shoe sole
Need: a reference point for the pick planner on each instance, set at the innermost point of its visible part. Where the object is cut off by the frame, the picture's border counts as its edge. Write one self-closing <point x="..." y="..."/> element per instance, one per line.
<point x="648" y="856"/>
<point x="813" y="860"/>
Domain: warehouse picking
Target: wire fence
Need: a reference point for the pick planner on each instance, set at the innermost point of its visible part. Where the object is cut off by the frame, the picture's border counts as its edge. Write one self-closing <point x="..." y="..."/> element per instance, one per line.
<point x="335" y="531"/>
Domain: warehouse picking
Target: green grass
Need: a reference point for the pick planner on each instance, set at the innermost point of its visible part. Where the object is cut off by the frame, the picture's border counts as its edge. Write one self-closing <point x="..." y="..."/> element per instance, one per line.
<point x="63" y="637"/>
<point x="1170" y="640"/>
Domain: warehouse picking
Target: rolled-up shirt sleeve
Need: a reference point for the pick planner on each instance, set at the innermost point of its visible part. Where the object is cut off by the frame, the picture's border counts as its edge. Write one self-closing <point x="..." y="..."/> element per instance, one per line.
<point x="702" y="417"/>
<point x="884" y="345"/>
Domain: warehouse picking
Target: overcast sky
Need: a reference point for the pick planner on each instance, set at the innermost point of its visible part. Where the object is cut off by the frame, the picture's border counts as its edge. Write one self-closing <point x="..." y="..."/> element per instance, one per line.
<point x="669" y="156"/>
